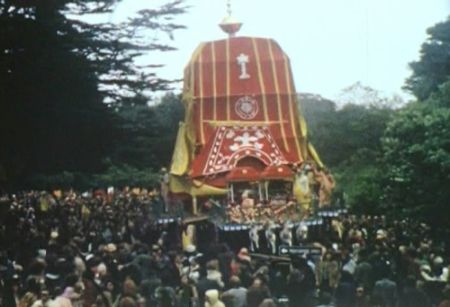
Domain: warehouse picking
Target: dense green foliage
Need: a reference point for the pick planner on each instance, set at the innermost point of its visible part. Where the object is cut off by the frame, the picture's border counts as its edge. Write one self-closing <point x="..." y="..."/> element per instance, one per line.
<point x="146" y="139"/>
<point x="416" y="143"/>
<point x="149" y="133"/>
<point x="57" y="72"/>
<point x="349" y="142"/>
<point x="433" y="68"/>
<point x="416" y="147"/>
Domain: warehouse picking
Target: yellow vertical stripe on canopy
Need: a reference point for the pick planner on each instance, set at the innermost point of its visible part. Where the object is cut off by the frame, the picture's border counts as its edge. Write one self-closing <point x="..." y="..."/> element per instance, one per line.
<point x="189" y="101"/>
<point x="291" y="107"/>
<point x="213" y="56"/>
<point x="277" y="90"/>
<point x="261" y="79"/>
<point x="200" y="72"/>
<point x="228" y="61"/>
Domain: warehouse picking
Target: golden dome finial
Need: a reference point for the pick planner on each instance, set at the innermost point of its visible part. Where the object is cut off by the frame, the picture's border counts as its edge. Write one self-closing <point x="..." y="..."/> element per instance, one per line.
<point x="229" y="24"/>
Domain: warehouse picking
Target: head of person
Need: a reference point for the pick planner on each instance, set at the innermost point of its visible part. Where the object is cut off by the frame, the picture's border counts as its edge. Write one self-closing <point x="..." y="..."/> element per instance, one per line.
<point x="257" y="282"/>
<point x="235" y="282"/>
<point x="129" y="288"/>
<point x="268" y="302"/>
<point x="212" y="265"/>
<point x="128" y="302"/>
<point x="360" y="291"/>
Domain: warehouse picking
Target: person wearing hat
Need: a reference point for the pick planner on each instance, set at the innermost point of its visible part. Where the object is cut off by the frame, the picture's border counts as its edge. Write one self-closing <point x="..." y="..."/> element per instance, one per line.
<point x="242" y="267"/>
<point x="110" y="248"/>
<point x="244" y="255"/>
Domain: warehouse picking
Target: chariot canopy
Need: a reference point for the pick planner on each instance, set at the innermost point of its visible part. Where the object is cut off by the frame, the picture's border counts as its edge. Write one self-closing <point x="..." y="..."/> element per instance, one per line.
<point x="241" y="112"/>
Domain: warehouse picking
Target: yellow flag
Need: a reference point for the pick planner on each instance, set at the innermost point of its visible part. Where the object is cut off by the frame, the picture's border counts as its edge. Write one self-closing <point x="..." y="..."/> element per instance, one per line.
<point x="179" y="184"/>
<point x="180" y="158"/>
<point x="314" y="155"/>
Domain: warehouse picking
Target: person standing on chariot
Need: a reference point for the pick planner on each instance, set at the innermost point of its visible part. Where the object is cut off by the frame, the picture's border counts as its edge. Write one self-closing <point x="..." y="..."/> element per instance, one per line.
<point x="302" y="191"/>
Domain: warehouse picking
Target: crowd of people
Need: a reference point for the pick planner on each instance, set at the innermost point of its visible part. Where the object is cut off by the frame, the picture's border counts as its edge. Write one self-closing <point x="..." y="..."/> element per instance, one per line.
<point x="87" y="250"/>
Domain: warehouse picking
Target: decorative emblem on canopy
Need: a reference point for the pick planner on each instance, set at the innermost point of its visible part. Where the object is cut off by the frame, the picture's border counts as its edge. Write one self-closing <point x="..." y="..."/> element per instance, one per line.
<point x="242" y="60"/>
<point x="234" y="143"/>
<point x="246" y="107"/>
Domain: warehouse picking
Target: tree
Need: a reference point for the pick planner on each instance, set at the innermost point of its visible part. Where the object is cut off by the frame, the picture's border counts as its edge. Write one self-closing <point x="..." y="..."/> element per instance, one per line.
<point x="52" y="117"/>
<point x="320" y="115"/>
<point x="416" y="152"/>
<point x="148" y="133"/>
<point x="356" y="126"/>
<point x="360" y="94"/>
<point x="360" y="179"/>
<point x="416" y="143"/>
<point x="440" y="98"/>
<point x="433" y="68"/>
<point x="348" y="140"/>
<point x="56" y="73"/>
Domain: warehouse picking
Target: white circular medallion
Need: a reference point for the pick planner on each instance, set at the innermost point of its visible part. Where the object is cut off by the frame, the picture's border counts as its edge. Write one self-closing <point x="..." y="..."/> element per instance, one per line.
<point x="246" y="107"/>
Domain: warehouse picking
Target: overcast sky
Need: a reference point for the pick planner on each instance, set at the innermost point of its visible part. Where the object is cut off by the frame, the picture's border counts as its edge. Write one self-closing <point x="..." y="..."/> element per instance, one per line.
<point x="332" y="43"/>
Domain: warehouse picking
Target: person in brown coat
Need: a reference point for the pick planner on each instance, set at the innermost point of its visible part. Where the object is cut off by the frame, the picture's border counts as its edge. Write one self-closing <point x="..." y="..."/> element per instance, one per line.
<point x="327" y="272"/>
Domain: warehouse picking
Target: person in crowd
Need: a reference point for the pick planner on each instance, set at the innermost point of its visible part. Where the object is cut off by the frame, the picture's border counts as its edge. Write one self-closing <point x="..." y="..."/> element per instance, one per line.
<point x="362" y="299"/>
<point x="363" y="272"/>
<point x="328" y="272"/>
<point x="385" y="291"/>
<point x="212" y="299"/>
<point x="301" y="283"/>
<point x="411" y="296"/>
<point x="346" y="290"/>
<point x="257" y="293"/>
<point x="112" y="250"/>
<point x="326" y="300"/>
<point x="187" y="292"/>
<point x="43" y="300"/>
<point x="237" y="292"/>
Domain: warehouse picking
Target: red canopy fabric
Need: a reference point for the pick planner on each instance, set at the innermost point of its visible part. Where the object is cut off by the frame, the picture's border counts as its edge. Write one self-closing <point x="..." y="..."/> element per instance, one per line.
<point x="240" y="103"/>
<point x="243" y="173"/>
<point x="231" y="144"/>
<point x="265" y="97"/>
<point x="277" y="172"/>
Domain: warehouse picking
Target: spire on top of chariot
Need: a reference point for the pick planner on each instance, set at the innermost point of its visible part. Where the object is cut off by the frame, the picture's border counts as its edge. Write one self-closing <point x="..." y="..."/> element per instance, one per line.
<point x="229" y="24"/>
